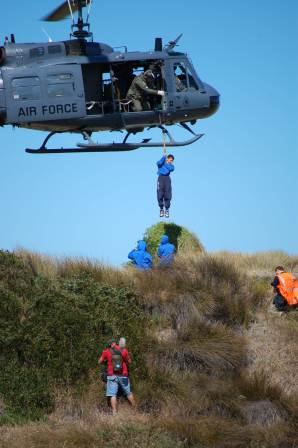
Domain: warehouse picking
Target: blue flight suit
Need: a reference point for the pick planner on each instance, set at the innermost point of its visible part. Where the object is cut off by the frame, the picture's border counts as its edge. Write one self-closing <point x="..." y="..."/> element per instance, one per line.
<point x="140" y="257"/>
<point x="164" y="185"/>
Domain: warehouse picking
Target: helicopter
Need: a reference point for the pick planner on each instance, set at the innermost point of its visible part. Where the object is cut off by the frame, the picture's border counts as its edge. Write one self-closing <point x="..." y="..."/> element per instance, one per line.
<point x="81" y="86"/>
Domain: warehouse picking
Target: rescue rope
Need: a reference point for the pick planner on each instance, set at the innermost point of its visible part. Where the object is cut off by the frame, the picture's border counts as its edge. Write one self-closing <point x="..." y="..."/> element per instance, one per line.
<point x="164" y="147"/>
<point x="164" y="141"/>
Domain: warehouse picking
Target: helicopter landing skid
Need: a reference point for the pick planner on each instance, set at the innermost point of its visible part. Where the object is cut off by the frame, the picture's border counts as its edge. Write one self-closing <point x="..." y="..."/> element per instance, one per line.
<point x="91" y="146"/>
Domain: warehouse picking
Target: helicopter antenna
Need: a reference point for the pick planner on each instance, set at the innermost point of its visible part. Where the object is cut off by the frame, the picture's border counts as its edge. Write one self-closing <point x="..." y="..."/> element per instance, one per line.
<point x="79" y="29"/>
<point x="48" y="36"/>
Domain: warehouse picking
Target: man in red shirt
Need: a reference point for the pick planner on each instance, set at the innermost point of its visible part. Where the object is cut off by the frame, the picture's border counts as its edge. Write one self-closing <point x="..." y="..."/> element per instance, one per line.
<point x="117" y="361"/>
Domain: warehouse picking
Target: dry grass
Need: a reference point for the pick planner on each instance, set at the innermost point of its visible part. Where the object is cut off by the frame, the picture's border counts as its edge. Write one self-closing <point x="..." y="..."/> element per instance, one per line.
<point x="53" y="267"/>
<point x="128" y="429"/>
<point x="273" y="349"/>
<point x="201" y="347"/>
<point x="204" y="285"/>
<point x="261" y="264"/>
<point x="224" y="433"/>
<point x="220" y="369"/>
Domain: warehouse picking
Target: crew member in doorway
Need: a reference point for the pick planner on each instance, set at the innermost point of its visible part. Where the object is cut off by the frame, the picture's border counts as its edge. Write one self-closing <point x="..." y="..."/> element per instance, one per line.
<point x="164" y="186"/>
<point x="140" y="90"/>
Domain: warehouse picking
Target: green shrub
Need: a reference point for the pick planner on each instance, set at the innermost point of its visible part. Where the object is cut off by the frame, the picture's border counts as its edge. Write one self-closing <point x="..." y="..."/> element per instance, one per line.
<point x="26" y="391"/>
<point x="52" y="335"/>
<point x="183" y="240"/>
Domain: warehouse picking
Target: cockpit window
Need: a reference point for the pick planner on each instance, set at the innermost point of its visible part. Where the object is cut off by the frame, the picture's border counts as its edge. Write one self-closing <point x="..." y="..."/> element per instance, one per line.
<point x="180" y="77"/>
<point x="184" y="80"/>
<point x="27" y="88"/>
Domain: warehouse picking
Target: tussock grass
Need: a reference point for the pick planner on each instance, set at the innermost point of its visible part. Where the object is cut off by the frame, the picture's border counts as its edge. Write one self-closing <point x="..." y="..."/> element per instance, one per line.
<point x="97" y="271"/>
<point x="214" y="286"/>
<point x="212" y="367"/>
<point x="261" y="264"/>
<point x="273" y="350"/>
<point x="224" y="433"/>
<point x="53" y="268"/>
<point x="201" y="347"/>
<point x="127" y="432"/>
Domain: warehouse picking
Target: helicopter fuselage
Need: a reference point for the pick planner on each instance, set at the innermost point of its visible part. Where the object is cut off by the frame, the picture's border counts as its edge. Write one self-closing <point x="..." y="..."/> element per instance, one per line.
<point x="76" y="85"/>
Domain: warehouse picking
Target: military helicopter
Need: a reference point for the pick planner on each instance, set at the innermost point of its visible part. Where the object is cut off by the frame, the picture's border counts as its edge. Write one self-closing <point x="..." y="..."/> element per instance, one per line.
<point x="80" y="86"/>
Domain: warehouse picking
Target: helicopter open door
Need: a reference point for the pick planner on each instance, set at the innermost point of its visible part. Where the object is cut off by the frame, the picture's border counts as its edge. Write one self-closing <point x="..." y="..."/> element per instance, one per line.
<point x="44" y="93"/>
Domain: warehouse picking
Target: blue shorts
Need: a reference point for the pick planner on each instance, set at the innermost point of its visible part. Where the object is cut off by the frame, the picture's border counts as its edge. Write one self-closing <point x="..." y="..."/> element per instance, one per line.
<point x="113" y="384"/>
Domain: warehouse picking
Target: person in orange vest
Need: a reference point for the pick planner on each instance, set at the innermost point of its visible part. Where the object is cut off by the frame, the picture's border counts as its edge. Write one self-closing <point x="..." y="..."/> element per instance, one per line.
<point x="286" y="287"/>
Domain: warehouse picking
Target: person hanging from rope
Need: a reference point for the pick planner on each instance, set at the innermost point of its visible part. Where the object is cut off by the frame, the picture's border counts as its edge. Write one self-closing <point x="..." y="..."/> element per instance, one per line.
<point x="164" y="185"/>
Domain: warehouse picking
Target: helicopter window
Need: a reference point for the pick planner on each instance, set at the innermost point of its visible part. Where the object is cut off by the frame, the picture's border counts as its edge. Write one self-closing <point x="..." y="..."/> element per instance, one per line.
<point x="184" y="79"/>
<point x="52" y="49"/>
<point x="60" y="77"/>
<point x="36" y="52"/>
<point x="26" y="81"/>
<point x="27" y="88"/>
<point x="192" y="82"/>
<point x="180" y="77"/>
<point x="61" y="89"/>
<point x="60" y="85"/>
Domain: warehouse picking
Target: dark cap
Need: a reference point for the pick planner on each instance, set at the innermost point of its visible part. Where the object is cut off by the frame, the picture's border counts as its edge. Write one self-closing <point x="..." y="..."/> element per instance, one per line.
<point x="148" y="73"/>
<point x="111" y="342"/>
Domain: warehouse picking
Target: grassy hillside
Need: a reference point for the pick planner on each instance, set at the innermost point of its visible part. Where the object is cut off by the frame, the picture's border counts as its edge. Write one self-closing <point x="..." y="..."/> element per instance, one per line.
<point x="213" y="366"/>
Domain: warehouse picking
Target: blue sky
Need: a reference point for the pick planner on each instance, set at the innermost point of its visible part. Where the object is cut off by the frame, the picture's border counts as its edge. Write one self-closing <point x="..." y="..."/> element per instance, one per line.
<point x="236" y="188"/>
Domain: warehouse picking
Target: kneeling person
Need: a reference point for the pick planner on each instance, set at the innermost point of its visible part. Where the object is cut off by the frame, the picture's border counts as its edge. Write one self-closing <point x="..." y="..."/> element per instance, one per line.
<point x="165" y="252"/>
<point x="285" y="285"/>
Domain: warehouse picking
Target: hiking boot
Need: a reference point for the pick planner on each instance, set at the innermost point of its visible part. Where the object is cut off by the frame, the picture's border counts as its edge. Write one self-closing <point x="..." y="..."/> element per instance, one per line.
<point x="161" y="213"/>
<point x="167" y="214"/>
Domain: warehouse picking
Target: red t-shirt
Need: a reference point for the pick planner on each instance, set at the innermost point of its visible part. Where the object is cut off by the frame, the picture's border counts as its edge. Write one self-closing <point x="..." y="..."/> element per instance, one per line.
<point x="126" y="355"/>
<point x="106" y="356"/>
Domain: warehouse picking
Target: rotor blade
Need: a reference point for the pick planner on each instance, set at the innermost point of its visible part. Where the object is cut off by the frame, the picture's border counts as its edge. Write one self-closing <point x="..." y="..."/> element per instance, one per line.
<point x="62" y="11"/>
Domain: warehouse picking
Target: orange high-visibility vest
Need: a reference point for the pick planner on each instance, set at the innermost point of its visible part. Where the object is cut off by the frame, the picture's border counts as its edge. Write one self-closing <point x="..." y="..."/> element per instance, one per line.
<point x="295" y="292"/>
<point x="288" y="287"/>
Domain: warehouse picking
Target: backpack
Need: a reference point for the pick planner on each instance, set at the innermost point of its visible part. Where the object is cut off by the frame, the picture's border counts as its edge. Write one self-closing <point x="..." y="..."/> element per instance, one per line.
<point x="117" y="360"/>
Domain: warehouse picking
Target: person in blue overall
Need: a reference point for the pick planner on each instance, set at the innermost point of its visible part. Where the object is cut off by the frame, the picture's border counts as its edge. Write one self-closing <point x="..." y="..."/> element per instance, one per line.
<point x="140" y="257"/>
<point x="165" y="252"/>
<point x="164" y="186"/>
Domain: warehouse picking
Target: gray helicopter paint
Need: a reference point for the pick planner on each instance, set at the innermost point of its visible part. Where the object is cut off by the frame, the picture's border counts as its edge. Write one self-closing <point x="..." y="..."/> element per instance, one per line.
<point x="69" y="112"/>
<point x="2" y="101"/>
<point x="28" y="94"/>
